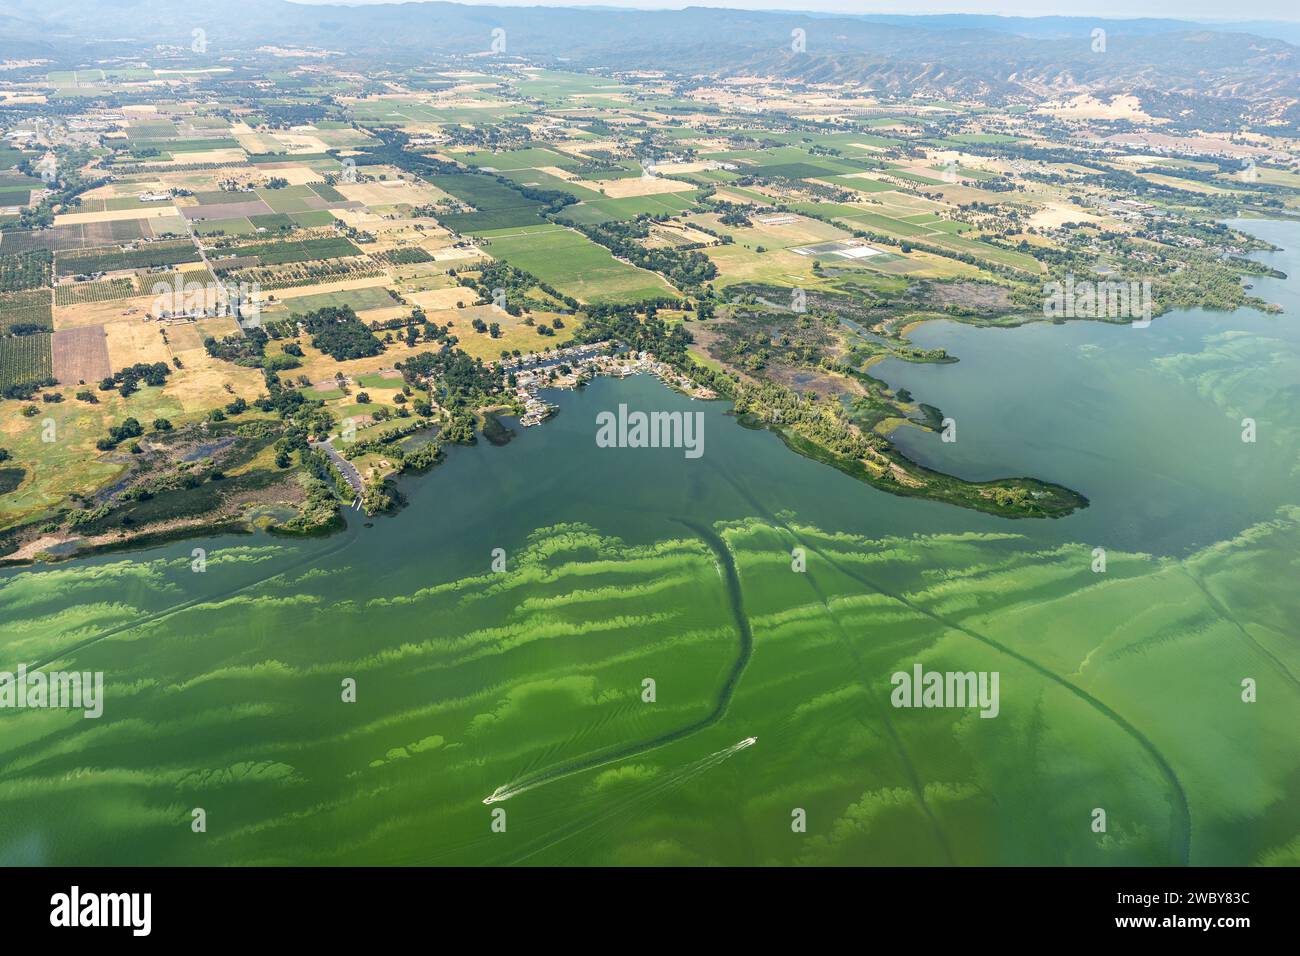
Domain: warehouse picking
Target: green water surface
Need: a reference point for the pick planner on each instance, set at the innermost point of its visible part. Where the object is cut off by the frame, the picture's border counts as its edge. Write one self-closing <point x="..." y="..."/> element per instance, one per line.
<point x="1119" y="691"/>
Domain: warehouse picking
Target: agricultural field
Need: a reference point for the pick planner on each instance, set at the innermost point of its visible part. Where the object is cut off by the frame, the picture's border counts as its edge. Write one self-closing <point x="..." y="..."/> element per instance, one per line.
<point x="80" y="355"/>
<point x="568" y="260"/>
<point x="28" y="308"/>
<point x="516" y="159"/>
<point x="25" y="359"/>
<point x="257" y="294"/>
<point x="280" y="253"/>
<point x="495" y="206"/>
<point x="359" y="300"/>
<point x="593" y="211"/>
<point x="78" y="293"/>
<point x="146" y="256"/>
<point x="24" y="270"/>
<point x="74" y="236"/>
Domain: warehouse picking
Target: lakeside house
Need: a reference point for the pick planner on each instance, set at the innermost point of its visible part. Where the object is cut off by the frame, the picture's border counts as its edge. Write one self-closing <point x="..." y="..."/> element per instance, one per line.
<point x="585" y="362"/>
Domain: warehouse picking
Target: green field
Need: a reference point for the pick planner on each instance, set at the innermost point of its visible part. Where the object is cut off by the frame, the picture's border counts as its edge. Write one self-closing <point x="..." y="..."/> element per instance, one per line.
<point x="183" y="146"/>
<point x="81" y="292"/>
<point x="89" y="261"/>
<point x="862" y="184"/>
<point x="322" y="394"/>
<point x="621" y="169"/>
<point x="402" y="112"/>
<point x="313" y="217"/>
<point x="879" y="223"/>
<point x="276" y="222"/>
<point x="358" y="299"/>
<point x="555" y="85"/>
<point x="537" y="179"/>
<point x="915" y="178"/>
<point x="594" y="212"/>
<point x="984" y="250"/>
<point x="279" y="253"/>
<point x="25" y="358"/>
<point x="288" y="198"/>
<point x="376" y="380"/>
<point x="515" y="159"/>
<point x="809" y="170"/>
<point x="225" y="227"/>
<point x="29" y="307"/>
<point x="963" y="139"/>
<point x="497" y="206"/>
<point x="576" y="266"/>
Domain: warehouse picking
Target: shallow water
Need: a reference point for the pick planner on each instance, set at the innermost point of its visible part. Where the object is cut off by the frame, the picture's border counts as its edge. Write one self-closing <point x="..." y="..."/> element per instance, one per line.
<point x="1119" y="689"/>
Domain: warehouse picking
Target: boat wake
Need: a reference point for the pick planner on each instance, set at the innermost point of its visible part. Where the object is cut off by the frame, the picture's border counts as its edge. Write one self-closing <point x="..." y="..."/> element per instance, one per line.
<point x="503" y="793"/>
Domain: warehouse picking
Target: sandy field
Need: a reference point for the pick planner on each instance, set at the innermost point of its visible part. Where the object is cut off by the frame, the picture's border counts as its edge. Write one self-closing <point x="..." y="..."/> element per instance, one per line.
<point x="298" y="142"/>
<point x="1054" y="214"/>
<point x="81" y="355"/>
<point x="453" y="254"/>
<point x="130" y="342"/>
<point x="116" y="215"/>
<point x="438" y="299"/>
<point x="639" y="186"/>
<point x="390" y="192"/>
<point x="228" y="155"/>
<point x="100" y="313"/>
<point x="299" y="175"/>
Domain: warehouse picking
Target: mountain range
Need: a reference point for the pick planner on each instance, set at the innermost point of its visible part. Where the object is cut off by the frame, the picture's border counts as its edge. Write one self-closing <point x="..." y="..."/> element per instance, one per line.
<point x="1190" y="72"/>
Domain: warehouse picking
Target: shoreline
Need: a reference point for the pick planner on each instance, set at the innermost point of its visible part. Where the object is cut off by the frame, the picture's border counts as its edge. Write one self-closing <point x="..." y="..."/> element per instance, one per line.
<point x="216" y="522"/>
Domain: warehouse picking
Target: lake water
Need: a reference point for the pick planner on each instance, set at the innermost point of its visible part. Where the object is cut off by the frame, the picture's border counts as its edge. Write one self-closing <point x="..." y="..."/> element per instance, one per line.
<point x="1120" y="690"/>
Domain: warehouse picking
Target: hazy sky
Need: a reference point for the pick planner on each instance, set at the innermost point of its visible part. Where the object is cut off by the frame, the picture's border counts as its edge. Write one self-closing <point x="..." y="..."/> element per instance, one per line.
<point x="1176" y="9"/>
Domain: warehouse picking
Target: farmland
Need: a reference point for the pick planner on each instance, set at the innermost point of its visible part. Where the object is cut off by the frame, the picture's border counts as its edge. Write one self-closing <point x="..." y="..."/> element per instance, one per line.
<point x="80" y="292"/>
<point x="568" y="260"/>
<point x="496" y="206"/>
<point x="150" y="255"/>
<point x="343" y="312"/>
<point x="29" y="308"/>
<point x="279" y="253"/>
<point x="25" y="270"/>
<point x="81" y="355"/>
<point x="25" y="359"/>
<point x="357" y="299"/>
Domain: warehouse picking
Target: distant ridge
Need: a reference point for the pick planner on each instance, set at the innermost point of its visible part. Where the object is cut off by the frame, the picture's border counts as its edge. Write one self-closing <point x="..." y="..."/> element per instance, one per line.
<point x="1207" y="76"/>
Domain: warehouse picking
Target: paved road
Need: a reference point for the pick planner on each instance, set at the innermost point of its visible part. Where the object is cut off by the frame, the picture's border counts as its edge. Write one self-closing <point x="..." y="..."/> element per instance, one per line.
<point x="221" y="287"/>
